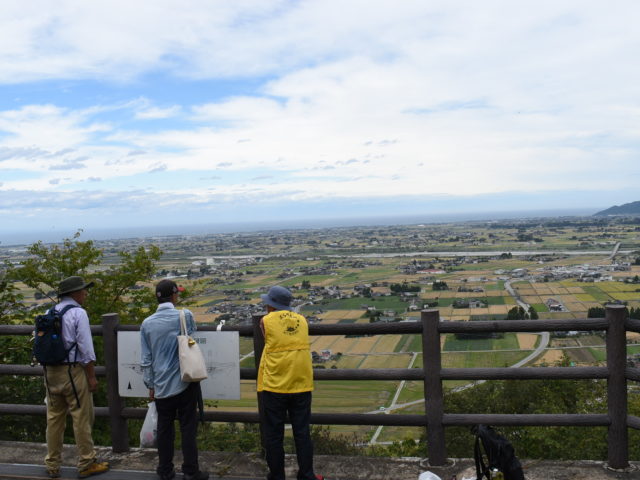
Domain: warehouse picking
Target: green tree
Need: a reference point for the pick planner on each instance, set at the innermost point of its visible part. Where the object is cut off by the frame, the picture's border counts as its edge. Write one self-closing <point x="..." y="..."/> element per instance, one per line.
<point x="12" y="308"/>
<point x="596" y="312"/>
<point x="113" y="292"/>
<point x="535" y="397"/>
<point x="533" y="314"/>
<point x="404" y="287"/>
<point x="440" y="286"/>
<point x="16" y="350"/>
<point x="517" y="313"/>
<point x="372" y="315"/>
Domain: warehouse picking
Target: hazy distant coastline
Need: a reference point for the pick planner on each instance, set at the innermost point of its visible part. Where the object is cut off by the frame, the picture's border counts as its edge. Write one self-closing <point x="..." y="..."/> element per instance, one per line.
<point x="28" y="237"/>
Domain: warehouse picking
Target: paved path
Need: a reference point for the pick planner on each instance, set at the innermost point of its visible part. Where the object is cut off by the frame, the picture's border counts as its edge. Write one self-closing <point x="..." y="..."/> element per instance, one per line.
<point x="374" y="438"/>
<point x="334" y="467"/>
<point x="28" y="472"/>
<point x="485" y="253"/>
<point x="615" y="251"/>
<point x="515" y="295"/>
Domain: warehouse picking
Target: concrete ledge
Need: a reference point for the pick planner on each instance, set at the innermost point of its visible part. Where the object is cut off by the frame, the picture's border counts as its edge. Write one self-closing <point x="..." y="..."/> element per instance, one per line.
<point x="247" y="465"/>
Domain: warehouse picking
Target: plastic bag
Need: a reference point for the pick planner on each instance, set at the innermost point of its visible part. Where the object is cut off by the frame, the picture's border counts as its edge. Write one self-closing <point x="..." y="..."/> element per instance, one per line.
<point x="428" y="476"/>
<point x="149" y="432"/>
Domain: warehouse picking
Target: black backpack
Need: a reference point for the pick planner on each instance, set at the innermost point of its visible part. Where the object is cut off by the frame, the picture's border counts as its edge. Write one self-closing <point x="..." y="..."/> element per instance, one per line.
<point x="498" y="452"/>
<point x="48" y="348"/>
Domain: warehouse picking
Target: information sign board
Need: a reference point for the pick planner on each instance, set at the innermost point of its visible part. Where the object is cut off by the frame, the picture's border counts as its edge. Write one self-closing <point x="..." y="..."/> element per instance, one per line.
<point x="221" y="351"/>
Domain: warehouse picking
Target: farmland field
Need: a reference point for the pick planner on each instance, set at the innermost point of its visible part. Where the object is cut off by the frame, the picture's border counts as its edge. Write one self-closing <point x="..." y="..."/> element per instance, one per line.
<point x="386" y="361"/>
<point x="509" y="342"/>
<point x="229" y="271"/>
<point x="481" y="359"/>
<point x="364" y="344"/>
<point x="388" y="343"/>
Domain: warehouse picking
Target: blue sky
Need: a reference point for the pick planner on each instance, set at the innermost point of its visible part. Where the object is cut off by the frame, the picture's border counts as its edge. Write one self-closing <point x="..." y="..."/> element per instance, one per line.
<point x="119" y="114"/>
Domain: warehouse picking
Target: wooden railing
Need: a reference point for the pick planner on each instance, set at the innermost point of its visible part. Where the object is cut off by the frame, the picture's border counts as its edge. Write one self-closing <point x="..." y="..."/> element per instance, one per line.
<point x="430" y="327"/>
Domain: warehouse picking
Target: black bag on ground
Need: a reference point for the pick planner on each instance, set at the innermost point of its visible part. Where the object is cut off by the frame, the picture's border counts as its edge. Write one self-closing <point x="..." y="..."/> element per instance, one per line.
<point x="499" y="453"/>
<point x="48" y="348"/>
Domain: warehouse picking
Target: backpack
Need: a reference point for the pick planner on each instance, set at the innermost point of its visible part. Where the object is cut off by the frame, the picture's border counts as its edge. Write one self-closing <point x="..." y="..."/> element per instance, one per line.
<point x="499" y="453"/>
<point x="48" y="348"/>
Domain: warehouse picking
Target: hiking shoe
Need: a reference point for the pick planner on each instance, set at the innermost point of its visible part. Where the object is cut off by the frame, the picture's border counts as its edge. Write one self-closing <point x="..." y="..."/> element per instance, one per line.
<point x="53" y="472"/>
<point x="196" y="476"/>
<point x="94" y="469"/>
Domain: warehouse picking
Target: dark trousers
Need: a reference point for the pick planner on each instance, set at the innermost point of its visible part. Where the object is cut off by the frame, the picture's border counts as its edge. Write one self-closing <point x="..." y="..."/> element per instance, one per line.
<point x="276" y="407"/>
<point x="184" y="405"/>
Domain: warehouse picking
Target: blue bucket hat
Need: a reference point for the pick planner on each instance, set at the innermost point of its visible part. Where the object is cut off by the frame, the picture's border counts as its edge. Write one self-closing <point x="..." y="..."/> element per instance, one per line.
<point x="278" y="297"/>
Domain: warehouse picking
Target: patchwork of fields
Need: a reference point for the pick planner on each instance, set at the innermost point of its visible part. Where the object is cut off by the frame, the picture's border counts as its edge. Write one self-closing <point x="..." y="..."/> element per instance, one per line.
<point x="396" y="351"/>
<point x="330" y="269"/>
<point x="387" y="351"/>
<point x="578" y="297"/>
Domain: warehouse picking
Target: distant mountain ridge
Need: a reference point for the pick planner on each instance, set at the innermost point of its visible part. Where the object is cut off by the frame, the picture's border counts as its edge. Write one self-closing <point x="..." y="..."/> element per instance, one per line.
<point x="632" y="208"/>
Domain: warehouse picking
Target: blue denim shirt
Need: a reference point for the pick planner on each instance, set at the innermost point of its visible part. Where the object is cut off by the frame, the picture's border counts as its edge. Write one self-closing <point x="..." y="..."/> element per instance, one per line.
<point x="159" y="350"/>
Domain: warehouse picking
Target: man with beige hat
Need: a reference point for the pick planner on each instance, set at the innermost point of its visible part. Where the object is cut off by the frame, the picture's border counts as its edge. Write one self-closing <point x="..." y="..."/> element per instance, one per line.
<point x="70" y="385"/>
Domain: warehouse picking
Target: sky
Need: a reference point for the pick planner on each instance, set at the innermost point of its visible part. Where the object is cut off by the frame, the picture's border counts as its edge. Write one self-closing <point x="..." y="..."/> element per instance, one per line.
<point x="118" y="114"/>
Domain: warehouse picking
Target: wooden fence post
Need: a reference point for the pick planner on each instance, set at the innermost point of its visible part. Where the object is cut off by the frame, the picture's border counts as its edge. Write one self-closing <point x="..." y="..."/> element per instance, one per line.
<point x="618" y="438"/>
<point x="258" y="347"/>
<point x="119" y="431"/>
<point x="434" y="401"/>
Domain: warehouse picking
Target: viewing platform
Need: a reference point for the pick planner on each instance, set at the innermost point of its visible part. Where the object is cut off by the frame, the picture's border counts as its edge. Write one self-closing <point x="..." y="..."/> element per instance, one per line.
<point x="25" y="461"/>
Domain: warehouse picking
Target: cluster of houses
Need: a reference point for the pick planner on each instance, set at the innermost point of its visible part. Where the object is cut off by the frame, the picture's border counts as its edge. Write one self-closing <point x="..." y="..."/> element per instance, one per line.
<point x="420" y="268"/>
<point x="465" y="288"/>
<point x="324" y="356"/>
<point x="633" y="360"/>
<point x="580" y="273"/>
<point x="469" y="303"/>
<point x="555" y="305"/>
<point x="233" y="312"/>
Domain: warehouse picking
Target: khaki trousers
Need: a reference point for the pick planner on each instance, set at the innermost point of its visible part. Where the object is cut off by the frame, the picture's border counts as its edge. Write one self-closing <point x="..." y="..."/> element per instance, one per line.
<point x="60" y="400"/>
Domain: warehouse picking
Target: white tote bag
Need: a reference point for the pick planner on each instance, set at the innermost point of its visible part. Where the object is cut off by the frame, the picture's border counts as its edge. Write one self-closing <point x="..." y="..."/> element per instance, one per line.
<point x="192" y="366"/>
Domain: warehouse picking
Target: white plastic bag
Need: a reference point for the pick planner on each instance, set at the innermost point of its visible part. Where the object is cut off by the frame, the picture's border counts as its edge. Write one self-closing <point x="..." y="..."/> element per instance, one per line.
<point x="149" y="432"/>
<point x="428" y="476"/>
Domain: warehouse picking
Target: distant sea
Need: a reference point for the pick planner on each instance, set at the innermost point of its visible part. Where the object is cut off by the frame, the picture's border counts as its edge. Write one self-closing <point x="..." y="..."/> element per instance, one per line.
<point x="52" y="236"/>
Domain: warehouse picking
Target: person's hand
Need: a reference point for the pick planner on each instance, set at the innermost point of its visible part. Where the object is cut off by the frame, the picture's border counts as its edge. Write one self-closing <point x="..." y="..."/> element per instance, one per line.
<point x="93" y="383"/>
<point x="152" y="396"/>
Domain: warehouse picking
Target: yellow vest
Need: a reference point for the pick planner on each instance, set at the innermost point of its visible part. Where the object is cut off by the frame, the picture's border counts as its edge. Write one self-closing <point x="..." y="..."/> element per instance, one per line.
<point x="285" y="366"/>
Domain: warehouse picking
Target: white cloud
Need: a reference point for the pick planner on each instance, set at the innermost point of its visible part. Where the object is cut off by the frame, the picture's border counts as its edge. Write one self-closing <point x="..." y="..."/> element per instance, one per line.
<point x="47" y="126"/>
<point x="121" y="40"/>
<point x="155" y="113"/>
<point x="26" y="153"/>
<point x="70" y="164"/>
<point x="144" y="109"/>
<point x="158" y="167"/>
<point x="375" y="99"/>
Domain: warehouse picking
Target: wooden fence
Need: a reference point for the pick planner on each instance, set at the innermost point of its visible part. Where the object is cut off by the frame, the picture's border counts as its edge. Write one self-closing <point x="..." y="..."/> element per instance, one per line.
<point x="435" y="419"/>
